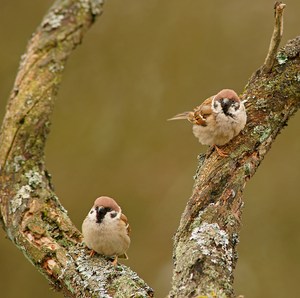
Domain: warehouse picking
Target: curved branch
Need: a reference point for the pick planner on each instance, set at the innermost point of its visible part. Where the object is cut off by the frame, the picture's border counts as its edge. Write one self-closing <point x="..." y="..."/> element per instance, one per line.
<point x="205" y="243"/>
<point x="31" y="214"/>
<point x="205" y="248"/>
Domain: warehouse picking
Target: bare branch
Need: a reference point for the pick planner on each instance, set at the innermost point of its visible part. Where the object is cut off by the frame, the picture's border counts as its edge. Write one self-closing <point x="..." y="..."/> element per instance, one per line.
<point x="276" y="37"/>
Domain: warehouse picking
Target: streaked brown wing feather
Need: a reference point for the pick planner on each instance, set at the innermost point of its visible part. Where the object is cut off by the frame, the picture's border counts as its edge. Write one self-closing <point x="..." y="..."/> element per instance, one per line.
<point x="202" y="112"/>
<point x="125" y="220"/>
<point x="184" y="115"/>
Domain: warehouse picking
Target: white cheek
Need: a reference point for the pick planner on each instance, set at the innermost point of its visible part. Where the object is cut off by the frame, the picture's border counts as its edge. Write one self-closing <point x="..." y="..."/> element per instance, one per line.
<point x="216" y="106"/>
<point x="92" y="214"/>
<point x="108" y="218"/>
<point x="233" y="111"/>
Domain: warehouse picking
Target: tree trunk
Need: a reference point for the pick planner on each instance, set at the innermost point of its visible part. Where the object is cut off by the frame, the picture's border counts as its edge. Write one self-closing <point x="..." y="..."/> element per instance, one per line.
<point x="205" y="243"/>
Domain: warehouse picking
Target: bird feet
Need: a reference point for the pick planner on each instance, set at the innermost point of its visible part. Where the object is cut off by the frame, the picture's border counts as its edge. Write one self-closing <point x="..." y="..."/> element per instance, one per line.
<point x="221" y="152"/>
<point x="115" y="261"/>
<point x="92" y="253"/>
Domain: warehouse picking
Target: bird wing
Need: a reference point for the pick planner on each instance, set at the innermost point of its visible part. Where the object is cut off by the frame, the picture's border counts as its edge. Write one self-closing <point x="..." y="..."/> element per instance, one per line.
<point x="125" y="221"/>
<point x="199" y="115"/>
<point x="202" y="112"/>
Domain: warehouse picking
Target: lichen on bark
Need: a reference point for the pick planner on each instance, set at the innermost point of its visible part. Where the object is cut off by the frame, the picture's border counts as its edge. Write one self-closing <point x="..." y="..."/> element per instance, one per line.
<point x="216" y="203"/>
<point x="205" y="244"/>
<point x="31" y="213"/>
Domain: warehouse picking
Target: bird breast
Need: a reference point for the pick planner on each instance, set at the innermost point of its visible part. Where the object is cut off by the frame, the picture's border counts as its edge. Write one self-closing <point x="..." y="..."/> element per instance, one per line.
<point x="108" y="238"/>
<point x="220" y="128"/>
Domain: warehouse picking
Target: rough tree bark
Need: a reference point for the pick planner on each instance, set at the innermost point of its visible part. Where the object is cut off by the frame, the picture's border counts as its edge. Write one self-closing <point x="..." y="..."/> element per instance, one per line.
<point x="205" y="243"/>
<point x="31" y="214"/>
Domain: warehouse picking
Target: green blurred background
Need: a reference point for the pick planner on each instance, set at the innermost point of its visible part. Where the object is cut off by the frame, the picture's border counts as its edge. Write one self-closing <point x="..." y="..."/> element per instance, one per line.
<point x="142" y="62"/>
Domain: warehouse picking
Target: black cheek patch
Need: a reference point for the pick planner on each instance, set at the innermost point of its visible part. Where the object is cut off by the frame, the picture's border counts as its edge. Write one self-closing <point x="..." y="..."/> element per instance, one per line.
<point x="113" y="214"/>
<point x="236" y="106"/>
<point x="101" y="212"/>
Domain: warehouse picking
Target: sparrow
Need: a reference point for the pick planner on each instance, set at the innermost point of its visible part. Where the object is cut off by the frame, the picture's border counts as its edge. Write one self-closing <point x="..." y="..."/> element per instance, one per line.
<point x="106" y="230"/>
<point x="218" y="119"/>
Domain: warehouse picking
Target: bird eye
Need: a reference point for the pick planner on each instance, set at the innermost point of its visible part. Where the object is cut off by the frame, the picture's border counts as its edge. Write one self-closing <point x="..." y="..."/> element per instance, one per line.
<point x="92" y="211"/>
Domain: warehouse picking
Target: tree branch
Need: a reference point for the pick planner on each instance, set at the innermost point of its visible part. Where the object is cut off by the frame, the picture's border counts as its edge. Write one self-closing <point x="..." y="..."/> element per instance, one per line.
<point x="205" y="246"/>
<point x="276" y="37"/>
<point x="31" y="214"/>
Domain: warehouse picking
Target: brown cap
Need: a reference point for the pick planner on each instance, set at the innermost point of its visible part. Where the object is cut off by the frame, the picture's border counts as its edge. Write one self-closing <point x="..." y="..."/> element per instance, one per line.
<point x="227" y="93"/>
<point x="107" y="202"/>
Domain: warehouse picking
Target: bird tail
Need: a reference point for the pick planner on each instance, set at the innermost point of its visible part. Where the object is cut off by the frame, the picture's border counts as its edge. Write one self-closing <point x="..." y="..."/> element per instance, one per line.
<point x="184" y="115"/>
<point x="123" y="256"/>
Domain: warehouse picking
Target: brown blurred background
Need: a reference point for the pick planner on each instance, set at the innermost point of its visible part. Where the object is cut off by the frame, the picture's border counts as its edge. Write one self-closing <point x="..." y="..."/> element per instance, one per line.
<point x="142" y="62"/>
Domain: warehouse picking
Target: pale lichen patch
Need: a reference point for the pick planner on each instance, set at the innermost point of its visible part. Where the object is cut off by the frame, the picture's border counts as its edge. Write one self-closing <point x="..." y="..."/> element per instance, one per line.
<point x="206" y="233"/>
<point x="261" y="104"/>
<point x="18" y="162"/>
<point x="17" y="200"/>
<point x="262" y="131"/>
<point x="85" y="5"/>
<point x="97" y="277"/>
<point x="53" y="20"/>
<point x="213" y="242"/>
<point x="96" y="6"/>
<point x="35" y="179"/>
<point x="282" y="58"/>
<point x="91" y="274"/>
<point x="297" y="77"/>
<point x="56" y="67"/>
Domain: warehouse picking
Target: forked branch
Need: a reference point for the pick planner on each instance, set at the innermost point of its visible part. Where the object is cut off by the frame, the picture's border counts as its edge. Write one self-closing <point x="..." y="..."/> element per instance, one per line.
<point x="205" y="243"/>
<point x="205" y="248"/>
<point x="276" y="37"/>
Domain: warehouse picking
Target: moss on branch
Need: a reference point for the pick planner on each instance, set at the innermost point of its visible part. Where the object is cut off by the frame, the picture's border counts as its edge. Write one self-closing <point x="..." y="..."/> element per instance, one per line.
<point x="31" y="214"/>
<point x="205" y="252"/>
<point x="205" y="244"/>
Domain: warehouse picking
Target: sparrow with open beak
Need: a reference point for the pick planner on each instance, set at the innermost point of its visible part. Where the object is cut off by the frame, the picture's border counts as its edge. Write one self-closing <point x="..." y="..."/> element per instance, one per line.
<point x="106" y="230"/>
<point x="218" y="119"/>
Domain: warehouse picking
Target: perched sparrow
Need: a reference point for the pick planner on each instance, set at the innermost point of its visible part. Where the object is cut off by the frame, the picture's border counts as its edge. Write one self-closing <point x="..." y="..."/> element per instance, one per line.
<point x="105" y="229"/>
<point x="218" y="119"/>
